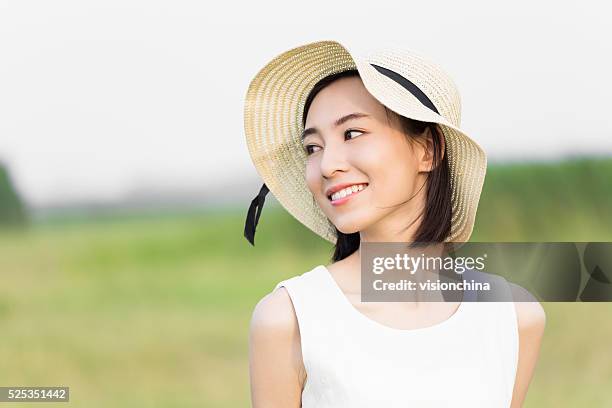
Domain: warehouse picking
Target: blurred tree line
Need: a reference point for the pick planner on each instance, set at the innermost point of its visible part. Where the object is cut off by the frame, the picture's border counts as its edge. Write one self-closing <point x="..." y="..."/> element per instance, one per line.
<point x="12" y="210"/>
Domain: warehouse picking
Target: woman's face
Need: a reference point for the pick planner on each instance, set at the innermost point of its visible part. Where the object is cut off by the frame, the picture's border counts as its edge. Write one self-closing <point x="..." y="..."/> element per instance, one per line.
<point x="350" y="140"/>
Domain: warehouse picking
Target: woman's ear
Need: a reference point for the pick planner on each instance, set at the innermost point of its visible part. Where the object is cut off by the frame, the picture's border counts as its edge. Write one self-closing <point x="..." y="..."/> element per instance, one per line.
<point x="426" y="148"/>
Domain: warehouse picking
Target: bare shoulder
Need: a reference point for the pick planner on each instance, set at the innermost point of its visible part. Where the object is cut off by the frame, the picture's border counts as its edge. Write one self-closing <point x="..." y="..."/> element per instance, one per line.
<point x="274" y="314"/>
<point x="529" y="312"/>
<point x="531" y="320"/>
<point x="275" y="359"/>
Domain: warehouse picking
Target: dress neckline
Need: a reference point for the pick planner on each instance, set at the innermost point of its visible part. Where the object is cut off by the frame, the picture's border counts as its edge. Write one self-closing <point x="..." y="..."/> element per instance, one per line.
<point x="459" y="312"/>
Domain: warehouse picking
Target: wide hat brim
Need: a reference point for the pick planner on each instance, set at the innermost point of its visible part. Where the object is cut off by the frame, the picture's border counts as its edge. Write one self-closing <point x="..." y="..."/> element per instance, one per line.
<point x="273" y="124"/>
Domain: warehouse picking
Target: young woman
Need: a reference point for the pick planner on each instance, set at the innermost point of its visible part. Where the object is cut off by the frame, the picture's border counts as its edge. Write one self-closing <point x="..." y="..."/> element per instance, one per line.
<point x="370" y="150"/>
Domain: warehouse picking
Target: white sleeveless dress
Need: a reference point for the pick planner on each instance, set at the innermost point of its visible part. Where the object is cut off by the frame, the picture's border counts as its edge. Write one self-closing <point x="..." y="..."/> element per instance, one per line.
<point x="352" y="361"/>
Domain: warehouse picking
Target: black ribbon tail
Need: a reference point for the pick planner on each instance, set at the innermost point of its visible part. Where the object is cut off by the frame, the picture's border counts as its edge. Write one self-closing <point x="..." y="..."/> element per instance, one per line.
<point x="253" y="215"/>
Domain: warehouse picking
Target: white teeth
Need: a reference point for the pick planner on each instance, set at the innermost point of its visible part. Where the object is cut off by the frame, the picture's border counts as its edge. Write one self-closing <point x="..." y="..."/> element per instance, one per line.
<point x="347" y="191"/>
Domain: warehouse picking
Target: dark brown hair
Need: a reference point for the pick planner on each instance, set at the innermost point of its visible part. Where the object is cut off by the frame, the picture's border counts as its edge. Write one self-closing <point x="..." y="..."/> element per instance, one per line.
<point x="436" y="223"/>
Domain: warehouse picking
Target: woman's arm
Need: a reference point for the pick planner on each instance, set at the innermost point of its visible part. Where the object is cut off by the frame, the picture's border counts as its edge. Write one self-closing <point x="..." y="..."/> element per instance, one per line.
<point x="531" y="320"/>
<point x="275" y="356"/>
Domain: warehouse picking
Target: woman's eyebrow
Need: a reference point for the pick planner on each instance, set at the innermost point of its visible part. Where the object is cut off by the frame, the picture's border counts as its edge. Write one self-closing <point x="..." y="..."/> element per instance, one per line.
<point x="350" y="116"/>
<point x="338" y="122"/>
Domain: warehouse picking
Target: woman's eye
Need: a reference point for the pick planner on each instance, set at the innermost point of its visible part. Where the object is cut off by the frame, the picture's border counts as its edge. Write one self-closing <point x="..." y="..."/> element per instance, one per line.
<point x="348" y="132"/>
<point x="308" y="149"/>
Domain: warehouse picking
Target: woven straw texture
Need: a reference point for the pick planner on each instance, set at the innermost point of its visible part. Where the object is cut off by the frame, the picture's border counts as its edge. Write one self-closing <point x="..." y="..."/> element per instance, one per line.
<point x="273" y="124"/>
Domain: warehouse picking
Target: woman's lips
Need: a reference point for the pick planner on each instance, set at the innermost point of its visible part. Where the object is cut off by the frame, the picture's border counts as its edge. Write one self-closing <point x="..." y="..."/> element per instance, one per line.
<point x="343" y="200"/>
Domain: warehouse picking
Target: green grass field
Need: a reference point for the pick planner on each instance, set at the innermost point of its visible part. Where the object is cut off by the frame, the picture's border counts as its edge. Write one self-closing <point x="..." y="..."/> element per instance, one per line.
<point x="153" y="311"/>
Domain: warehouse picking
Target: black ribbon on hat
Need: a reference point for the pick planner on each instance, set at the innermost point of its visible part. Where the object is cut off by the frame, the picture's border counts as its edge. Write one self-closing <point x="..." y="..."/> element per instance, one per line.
<point x="253" y="215"/>
<point x="407" y="85"/>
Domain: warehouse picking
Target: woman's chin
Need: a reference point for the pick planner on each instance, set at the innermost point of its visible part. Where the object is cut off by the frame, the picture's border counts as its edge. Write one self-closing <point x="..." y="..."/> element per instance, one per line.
<point x="348" y="228"/>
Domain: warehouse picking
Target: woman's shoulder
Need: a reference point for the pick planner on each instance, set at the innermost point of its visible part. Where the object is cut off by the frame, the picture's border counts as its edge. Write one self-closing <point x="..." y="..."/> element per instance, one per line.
<point x="275" y="355"/>
<point x="531" y="320"/>
<point x="275" y="311"/>
<point x="530" y="314"/>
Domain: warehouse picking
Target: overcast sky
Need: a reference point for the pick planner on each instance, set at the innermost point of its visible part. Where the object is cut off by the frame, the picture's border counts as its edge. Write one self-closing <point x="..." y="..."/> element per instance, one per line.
<point x="102" y="98"/>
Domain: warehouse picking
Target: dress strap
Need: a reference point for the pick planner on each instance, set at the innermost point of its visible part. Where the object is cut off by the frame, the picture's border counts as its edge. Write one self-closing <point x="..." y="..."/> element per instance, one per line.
<point x="315" y="311"/>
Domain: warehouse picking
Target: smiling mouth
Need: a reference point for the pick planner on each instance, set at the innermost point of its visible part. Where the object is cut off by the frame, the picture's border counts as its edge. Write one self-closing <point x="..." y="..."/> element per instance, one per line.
<point x="347" y="192"/>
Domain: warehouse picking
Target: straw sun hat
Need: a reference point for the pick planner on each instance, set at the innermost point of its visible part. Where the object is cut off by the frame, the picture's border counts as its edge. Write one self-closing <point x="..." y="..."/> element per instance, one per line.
<point x="401" y="80"/>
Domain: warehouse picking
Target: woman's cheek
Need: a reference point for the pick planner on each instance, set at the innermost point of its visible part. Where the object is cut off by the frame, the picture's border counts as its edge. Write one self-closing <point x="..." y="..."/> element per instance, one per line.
<point x="313" y="180"/>
<point x="370" y="152"/>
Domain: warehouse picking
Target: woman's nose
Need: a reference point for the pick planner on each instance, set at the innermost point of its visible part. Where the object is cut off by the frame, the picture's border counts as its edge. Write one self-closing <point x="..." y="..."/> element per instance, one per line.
<point x="333" y="159"/>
